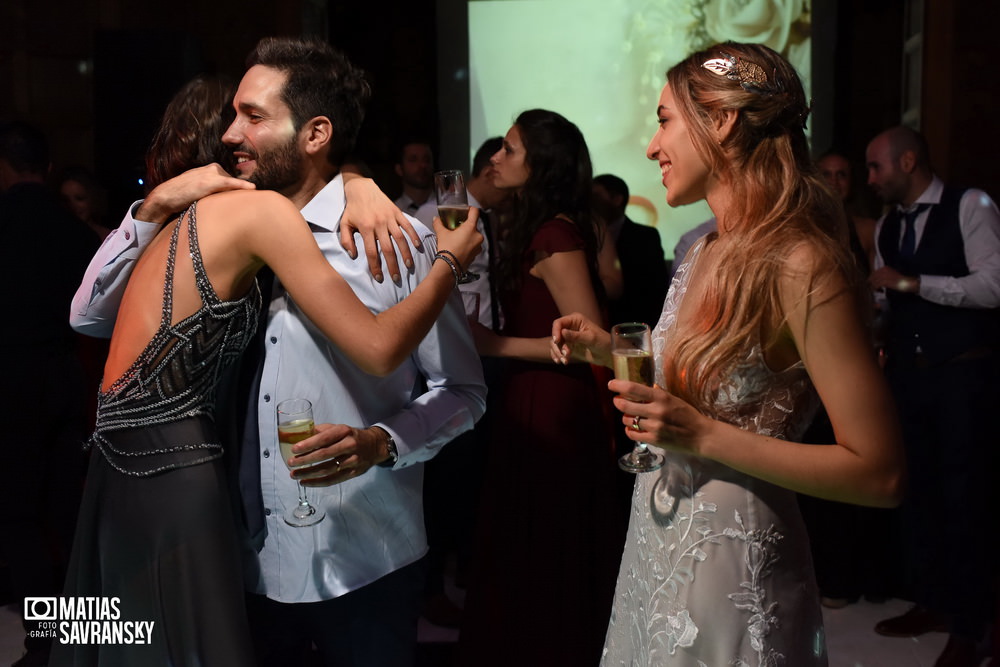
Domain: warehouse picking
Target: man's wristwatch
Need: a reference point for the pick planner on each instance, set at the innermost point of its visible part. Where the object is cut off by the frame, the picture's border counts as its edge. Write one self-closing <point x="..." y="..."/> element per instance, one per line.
<point x="390" y="445"/>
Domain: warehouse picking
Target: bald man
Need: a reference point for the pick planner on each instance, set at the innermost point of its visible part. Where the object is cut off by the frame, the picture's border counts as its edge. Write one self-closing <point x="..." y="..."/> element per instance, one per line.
<point x="938" y="262"/>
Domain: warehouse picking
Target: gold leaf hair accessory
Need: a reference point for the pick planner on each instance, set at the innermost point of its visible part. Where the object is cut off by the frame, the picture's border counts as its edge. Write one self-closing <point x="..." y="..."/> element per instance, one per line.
<point x="749" y="75"/>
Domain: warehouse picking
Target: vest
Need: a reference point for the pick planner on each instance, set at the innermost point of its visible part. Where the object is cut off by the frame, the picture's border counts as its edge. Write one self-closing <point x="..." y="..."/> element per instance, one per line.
<point x="917" y="326"/>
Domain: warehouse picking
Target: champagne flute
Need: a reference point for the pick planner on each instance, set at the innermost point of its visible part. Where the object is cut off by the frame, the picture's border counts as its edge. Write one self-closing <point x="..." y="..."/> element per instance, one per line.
<point x="295" y="423"/>
<point x="632" y="354"/>
<point x="453" y="206"/>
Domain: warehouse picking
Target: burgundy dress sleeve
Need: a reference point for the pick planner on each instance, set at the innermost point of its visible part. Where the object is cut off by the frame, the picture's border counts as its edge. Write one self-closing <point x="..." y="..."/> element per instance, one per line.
<point x="556" y="235"/>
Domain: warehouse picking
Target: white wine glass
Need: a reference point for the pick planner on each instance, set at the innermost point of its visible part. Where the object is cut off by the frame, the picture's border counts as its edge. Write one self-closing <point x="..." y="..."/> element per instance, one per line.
<point x="295" y="423"/>
<point x="453" y="206"/>
<point x="632" y="355"/>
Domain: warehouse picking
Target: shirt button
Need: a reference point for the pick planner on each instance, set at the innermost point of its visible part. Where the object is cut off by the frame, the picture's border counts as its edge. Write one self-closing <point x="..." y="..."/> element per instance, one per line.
<point x="267" y="511"/>
<point x="267" y="453"/>
<point x="267" y="398"/>
<point x="274" y="339"/>
<point x="127" y="236"/>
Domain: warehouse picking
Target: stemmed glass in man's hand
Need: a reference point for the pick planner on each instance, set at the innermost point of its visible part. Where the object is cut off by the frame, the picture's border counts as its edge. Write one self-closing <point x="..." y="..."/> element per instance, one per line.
<point x="453" y="206"/>
<point x="632" y="354"/>
<point x="295" y="423"/>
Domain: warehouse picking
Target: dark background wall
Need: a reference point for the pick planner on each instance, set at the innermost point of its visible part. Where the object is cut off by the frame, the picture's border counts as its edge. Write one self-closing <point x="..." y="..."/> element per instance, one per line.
<point x="96" y="74"/>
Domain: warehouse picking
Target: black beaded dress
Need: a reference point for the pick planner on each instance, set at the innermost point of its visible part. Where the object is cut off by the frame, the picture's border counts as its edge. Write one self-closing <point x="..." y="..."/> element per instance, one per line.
<point x="156" y="526"/>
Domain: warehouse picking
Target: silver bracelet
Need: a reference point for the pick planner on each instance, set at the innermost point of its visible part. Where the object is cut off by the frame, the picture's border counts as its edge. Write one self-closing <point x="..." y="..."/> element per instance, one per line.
<point x="458" y="264"/>
<point x="450" y="263"/>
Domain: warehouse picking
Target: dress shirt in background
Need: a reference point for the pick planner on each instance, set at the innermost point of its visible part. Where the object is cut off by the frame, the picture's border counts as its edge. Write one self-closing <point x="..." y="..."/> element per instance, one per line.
<point x="423" y="212"/>
<point x="979" y="222"/>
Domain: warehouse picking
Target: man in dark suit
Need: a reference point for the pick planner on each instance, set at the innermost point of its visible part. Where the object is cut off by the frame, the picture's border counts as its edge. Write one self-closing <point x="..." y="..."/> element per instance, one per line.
<point x="644" y="270"/>
<point x="938" y="262"/>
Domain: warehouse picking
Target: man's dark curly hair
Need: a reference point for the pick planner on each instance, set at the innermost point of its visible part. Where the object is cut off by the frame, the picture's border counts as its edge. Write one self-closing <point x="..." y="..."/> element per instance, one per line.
<point x="321" y="82"/>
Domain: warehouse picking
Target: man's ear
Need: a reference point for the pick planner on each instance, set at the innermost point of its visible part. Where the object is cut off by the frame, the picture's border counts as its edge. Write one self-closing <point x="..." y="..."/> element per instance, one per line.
<point x="907" y="161"/>
<point x="724" y="124"/>
<point x="317" y="134"/>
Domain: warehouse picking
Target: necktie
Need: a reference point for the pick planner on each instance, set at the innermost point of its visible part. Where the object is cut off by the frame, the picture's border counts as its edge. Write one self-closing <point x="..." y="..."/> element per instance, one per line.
<point x="491" y="274"/>
<point x="909" y="245"/>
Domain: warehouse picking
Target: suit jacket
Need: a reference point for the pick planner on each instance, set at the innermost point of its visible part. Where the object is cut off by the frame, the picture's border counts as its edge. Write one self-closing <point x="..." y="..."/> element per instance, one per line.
<point x="644" y="273"/>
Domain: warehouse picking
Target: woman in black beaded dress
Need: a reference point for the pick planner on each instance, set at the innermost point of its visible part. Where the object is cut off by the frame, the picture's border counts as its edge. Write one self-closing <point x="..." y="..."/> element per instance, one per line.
<point x="156" y="528"/>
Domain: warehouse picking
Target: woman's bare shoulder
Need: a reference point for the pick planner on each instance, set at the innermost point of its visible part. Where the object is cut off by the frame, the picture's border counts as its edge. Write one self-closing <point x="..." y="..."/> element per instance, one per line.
<point x="245" y="204"/>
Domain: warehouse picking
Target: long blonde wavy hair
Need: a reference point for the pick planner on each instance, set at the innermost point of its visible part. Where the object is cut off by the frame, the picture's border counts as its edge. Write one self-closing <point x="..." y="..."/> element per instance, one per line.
<point x="779" y="201"/>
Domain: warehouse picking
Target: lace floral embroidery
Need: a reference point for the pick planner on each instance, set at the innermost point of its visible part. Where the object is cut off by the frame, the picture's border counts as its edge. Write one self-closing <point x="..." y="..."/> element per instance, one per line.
<point x="700" y="582"/>
<point x="760" y="556"/>
<point x="689" y="539"/>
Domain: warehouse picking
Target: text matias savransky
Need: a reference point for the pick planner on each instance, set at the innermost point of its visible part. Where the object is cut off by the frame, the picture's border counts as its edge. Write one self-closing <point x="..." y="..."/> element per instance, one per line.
<point x="85" y="620"/>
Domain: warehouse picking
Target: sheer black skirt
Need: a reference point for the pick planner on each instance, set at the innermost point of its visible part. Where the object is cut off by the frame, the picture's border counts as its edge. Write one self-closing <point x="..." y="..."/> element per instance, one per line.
<point x="166" y="546"/>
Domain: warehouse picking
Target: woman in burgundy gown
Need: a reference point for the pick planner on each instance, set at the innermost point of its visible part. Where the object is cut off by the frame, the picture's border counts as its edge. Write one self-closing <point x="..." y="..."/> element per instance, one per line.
<point x="547" y="544"/>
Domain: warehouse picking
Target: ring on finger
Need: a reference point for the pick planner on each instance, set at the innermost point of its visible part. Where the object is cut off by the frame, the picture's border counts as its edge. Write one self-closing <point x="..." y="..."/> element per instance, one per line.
<point x="635" y="423"/>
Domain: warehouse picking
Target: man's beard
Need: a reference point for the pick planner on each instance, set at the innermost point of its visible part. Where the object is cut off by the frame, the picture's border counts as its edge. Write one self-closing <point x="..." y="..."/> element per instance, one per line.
<point x="277" y="169"/>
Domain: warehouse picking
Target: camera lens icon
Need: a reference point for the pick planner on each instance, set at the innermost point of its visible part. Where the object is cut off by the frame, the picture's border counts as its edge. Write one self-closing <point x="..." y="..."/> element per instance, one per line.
<point x="40" y="609"/>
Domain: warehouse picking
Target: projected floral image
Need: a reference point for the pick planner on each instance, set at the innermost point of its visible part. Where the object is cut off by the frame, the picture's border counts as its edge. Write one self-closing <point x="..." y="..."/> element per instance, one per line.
<point x="601" y="63"/>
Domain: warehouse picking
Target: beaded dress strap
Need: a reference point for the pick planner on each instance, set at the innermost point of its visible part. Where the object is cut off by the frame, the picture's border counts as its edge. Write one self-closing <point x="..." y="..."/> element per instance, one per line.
<point x="168" y="279"/>
<point x="174" y="377"/>
<point x="201" y="281"/>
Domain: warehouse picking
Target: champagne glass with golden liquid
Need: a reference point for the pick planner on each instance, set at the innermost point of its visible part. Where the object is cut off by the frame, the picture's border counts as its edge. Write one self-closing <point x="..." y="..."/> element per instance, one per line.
<point x="632" y="357"/>
<point x="295" y="423"/>
<point x="453" y="206"/>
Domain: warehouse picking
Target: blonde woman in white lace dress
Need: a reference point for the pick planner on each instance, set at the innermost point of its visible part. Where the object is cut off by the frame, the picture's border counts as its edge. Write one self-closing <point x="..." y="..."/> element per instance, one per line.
<point x="763" y="320"/>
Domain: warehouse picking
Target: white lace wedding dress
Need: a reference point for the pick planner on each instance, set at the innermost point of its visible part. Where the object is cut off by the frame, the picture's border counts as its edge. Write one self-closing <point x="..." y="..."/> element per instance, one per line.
<point x="716" y="569"/>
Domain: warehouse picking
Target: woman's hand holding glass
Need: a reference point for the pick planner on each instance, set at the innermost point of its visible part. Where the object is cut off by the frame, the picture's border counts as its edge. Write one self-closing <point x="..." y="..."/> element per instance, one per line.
<point x="632" y="354"/>
<point x="453" y="210"/>
<point x="664" y="420"/>
<point x="464" y="242"/>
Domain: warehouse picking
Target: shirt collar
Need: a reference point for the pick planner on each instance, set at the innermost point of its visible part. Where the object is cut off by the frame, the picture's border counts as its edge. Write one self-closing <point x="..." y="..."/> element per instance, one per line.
<point x="932" y="195"/>
<point x="325" y="209"/>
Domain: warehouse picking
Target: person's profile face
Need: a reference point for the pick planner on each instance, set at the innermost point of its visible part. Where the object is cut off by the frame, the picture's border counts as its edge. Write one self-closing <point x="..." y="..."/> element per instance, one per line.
<point x="489" y="195"/>
<point x="885" y="176"/>
<point x="510" y="162"/>
<point x="684" y="172"/>
<point x="836" y="170"/>
<point x="262" y="137"/>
